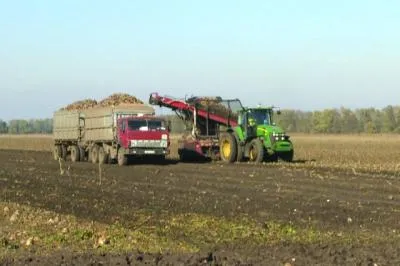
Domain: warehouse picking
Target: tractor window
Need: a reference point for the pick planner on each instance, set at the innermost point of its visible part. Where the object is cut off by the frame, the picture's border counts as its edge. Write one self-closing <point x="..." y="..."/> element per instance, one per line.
<point x="262" y="117"/>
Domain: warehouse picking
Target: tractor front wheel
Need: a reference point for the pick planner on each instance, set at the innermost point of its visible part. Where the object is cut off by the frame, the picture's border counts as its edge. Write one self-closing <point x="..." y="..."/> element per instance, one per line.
<point x="228" y="147"/>
<point x="256" y="151"/>
<point x="286" y="156"/>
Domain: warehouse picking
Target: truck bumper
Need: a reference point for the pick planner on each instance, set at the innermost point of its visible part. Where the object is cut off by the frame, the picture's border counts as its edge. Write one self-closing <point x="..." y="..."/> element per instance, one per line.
<point x="147" y="151"/>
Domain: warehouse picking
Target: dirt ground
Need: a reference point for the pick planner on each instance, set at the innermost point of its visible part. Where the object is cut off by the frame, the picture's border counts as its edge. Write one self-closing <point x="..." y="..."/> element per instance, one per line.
<point x="364" y="206"/>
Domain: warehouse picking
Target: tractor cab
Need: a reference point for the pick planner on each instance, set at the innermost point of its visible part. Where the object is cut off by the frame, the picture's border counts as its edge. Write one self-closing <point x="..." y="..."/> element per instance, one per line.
<point x="253" y="118"/>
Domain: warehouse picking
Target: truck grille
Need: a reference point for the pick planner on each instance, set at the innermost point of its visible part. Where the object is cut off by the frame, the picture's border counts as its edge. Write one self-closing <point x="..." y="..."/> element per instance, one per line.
<point x="149" y="143"/>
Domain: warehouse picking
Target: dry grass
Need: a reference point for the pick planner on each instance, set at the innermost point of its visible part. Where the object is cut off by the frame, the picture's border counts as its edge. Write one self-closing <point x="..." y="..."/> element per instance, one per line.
<point x="32" y="142"/>
<point x="377" y="153"/>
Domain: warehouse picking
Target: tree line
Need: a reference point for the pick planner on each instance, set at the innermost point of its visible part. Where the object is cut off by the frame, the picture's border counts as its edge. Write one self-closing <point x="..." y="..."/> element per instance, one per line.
<point x="343" y="120"/>
<point x="22" y="126"/>
<point x="336" y="121"/>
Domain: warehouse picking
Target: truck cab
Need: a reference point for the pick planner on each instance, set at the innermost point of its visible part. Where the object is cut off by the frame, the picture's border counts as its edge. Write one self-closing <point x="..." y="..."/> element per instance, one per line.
<point x="141" y="136"/>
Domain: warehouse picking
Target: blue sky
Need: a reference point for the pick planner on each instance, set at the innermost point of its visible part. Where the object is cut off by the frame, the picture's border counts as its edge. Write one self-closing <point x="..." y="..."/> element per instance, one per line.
<point x="294" y="54"/>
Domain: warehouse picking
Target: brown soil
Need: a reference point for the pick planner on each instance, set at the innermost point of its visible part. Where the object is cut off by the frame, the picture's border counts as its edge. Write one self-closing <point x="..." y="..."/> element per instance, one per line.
<point x="330" y="200"/>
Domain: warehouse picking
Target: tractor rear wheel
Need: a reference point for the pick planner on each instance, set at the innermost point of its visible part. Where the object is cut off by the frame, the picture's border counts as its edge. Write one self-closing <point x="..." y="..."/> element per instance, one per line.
<point x="94" y="156"/>
<point x="256" y="151"/>
<point x="228" y="147"/>
<point x="240" y="149"/>
<point x="122" y="158"/>
<point x="103" y="156"/>
<point x="75" y="154"/>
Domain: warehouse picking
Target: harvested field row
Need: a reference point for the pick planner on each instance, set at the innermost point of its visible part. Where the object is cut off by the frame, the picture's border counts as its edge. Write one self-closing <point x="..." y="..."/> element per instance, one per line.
<point x="240" y="213"/>
<point x="356" y="153"/>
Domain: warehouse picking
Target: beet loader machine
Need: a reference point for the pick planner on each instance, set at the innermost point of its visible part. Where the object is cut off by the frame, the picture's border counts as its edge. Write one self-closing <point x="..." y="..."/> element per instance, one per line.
<point x="224" y="129"/>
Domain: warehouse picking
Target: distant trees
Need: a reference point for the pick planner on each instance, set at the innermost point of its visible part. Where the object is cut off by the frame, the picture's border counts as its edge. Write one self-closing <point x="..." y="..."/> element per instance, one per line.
<point x="3" y="127"/>
<point x="343" y="120"/>
<point x="21" y="126"/>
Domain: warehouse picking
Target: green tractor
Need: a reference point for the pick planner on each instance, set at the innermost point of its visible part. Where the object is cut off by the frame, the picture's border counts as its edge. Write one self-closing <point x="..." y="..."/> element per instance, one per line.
<point x="223" y="128"/>
<point x="256" y="138"/>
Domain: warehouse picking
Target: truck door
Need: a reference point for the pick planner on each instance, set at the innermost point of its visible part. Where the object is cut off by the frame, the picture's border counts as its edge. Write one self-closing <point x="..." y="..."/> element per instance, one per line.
<point x="122" y="135"/>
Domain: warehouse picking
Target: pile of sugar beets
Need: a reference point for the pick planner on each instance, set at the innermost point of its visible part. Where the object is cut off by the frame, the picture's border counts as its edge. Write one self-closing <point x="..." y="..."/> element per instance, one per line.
<point x="112" y="100"/>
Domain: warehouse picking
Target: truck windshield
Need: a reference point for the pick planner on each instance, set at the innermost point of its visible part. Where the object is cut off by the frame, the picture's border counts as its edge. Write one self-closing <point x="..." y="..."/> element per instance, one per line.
<point x="136" y="124"/>
<point x="156" y="125"/>
<point x="261" y="116"/>
<point x="146" y="125"/>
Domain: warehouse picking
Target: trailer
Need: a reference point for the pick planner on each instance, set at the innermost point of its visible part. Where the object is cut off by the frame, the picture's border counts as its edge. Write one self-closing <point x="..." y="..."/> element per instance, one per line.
<point x="110" y="134"/>
<point x="224" y="129"/>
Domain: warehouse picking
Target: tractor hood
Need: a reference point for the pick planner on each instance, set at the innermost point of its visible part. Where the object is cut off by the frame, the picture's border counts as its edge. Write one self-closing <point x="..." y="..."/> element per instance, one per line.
<point x="270" y="130"/>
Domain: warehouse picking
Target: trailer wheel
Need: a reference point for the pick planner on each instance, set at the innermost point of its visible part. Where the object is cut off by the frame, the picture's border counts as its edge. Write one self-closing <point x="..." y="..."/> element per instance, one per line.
<point x="82" y="154"/>
<point x="256" y="151"/>
<point x="75" y="155"/>
<point x="95" y="154"/>
<point x="103" y="156"/>
<point x="57" y="153"/>
<point x="228" y="147"/>
<point x="64" y="152"/>
<point x="122" y="158"/>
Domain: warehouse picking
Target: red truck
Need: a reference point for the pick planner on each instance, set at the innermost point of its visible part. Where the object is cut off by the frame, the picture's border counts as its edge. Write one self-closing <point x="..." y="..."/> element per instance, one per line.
<point x="110" y="134"/>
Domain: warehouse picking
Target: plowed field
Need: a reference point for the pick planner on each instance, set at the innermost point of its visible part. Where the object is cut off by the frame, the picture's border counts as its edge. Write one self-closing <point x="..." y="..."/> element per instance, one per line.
<point x="193" y="214"/>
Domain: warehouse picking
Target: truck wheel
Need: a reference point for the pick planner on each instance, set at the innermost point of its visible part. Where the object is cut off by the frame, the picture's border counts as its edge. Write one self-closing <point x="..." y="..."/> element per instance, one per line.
<point x="182" y="155"/>
<point x="75" y="154"/>
<point x="256" y="151"/>
<point x="228" y="147"/>
<point x="64" y="152"/>
<point x="57" y="153"/>
<point x="94" y="154"/>
<point x="122" y="158"/>
<point x="103" y="156"/>
<point x="159" y="159"/>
